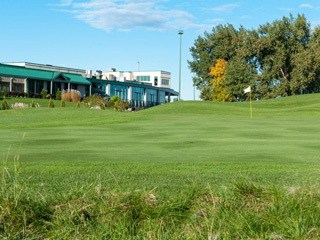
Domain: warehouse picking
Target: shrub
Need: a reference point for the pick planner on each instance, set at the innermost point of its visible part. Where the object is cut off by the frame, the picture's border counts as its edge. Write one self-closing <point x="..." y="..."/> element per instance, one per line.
<point x="33" y="105"/>
<point x="5" y="104"/>
<point x="102" y="106"/>
<point x="5" y="92"/>
<point x="66" y="96"/>
<point x="122" y="106"/>
<point x="93" y="101"/>
<point x="109" y="104"/>
<point x="71" y="96"/>
<point x="51" y="105"/>
<point x="78" y="104"/>
<point x="28" y="93"/>
<point x="75" y="95"/>
<point x="115" y="99"/>
<point x="63" y="104"/>
<point x="43" y="93"/>
<point x="19" y="105"/>
<point x="48" y="96"/>
<point x="58" y="94"/>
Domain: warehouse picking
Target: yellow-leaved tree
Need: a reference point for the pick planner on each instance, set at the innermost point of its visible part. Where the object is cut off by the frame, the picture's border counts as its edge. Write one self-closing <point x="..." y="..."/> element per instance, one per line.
<point x="218" y="82"/>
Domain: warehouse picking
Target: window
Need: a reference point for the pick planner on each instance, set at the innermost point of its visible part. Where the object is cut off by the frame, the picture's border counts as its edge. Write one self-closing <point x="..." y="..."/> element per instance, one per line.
<point x="39" y="86"/>
<point x="55" y="87"/>
<point x="4" y="85"/>
<point x="17" y="87"/>
<point x="120" y="91"/>
<point x="156" y="81"/>
<point x="30" y="85"/>
<point x="48" y="87"/>
<point x="74" y="86"/>
<point x="164" y="82"/>
<point x="152" y="95"/>
<point x="162" y="97"/>
<point x="137" y="93"/>
<point x="98" y="88"/>
<point x="143" y="78"/>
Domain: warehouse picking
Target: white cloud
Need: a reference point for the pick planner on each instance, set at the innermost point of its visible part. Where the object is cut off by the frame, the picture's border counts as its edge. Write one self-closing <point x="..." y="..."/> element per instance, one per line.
<point x="306" y="5"/>
<point x="287" y="9"/>
<point x="63" y="3"/>
<point x="226" y="7"/>
<point x="216" y="20"/>
<point x="125" y="15"/>
<point x="245" y="17"/>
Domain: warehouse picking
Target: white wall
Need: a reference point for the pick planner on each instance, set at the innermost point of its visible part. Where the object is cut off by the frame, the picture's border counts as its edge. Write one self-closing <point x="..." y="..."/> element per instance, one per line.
<point x="133" y="76"/>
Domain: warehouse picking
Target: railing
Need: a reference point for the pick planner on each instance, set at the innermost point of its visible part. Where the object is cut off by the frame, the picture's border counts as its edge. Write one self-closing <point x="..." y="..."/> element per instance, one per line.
<point x="138" y="104"/>
<point x="142" y="104"/>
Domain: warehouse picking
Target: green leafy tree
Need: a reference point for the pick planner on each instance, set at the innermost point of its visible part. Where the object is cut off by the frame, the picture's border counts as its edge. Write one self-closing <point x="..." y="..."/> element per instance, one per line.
<point x="223" y="43"/>
<point x="279" y="46"/>
<point x="239" y="75"/>
<point x="280" y="58"/>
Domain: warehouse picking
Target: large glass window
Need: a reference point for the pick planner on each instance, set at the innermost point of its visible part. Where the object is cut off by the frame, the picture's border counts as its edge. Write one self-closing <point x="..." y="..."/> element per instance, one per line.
<point x="162" y="97"/>
<point x="17" y="87"/>
<point x="120" y="91"/>
<point x="55" y="86"/>
<point x="87" y="90"/>
<point x="99" y="88"/>
<point x="152" y="95"/>
<point x="39" y="86"/>
<point x="137" y="93"/>
<point x="30" y="85"/>
<point x="49" y="87"/>
<point x="143" y="78"/>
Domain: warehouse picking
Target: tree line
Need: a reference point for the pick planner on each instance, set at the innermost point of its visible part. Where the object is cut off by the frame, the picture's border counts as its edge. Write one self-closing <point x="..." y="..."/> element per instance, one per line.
<point x="281" y="58"/>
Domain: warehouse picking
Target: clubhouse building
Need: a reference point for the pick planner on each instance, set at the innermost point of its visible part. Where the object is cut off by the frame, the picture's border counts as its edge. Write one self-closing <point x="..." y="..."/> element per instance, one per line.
<point x="139" y="88"/>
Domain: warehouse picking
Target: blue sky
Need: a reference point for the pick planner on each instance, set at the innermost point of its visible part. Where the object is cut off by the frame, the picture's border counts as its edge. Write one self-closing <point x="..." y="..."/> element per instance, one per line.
<point x="99" y="34"/>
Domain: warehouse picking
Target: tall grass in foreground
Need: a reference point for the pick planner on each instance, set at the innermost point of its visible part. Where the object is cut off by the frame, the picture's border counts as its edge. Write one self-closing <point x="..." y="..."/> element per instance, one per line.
<point x="92" y="211"/>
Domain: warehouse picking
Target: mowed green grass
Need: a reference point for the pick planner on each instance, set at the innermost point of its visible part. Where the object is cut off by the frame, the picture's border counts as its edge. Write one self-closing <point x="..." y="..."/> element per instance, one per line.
<point x="165" y="149"/>
<point x="168" y="146"/>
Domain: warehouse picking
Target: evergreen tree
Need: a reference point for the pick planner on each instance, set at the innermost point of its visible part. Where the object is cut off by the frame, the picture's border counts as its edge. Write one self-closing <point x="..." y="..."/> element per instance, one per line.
<point x="58" y="94"/>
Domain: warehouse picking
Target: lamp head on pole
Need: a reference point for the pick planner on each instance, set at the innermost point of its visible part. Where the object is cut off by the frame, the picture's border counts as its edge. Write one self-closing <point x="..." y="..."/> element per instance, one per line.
<point x="180" y="32"/>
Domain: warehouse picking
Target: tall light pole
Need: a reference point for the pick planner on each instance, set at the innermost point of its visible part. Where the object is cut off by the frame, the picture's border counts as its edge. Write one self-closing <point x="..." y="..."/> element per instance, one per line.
<point x="180" y="32"/>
